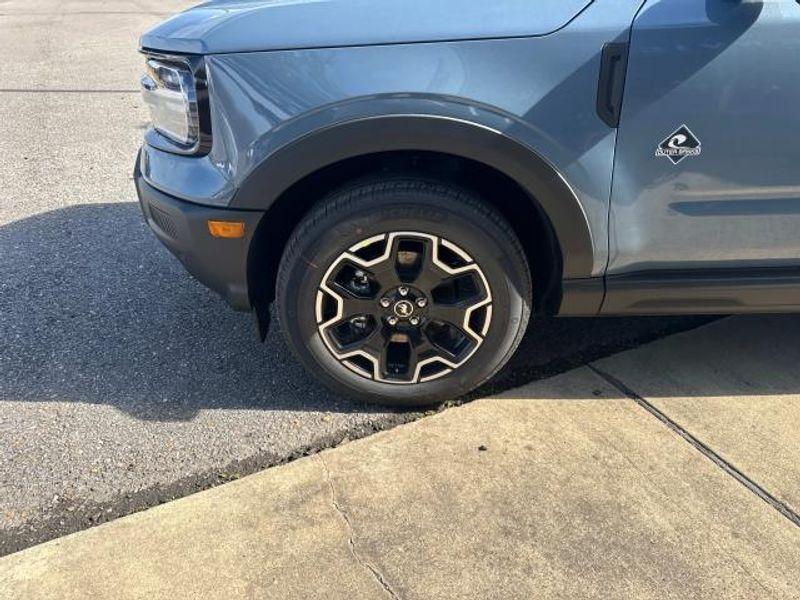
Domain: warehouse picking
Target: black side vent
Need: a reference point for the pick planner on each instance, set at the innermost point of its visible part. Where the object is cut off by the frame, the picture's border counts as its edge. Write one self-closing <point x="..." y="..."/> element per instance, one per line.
<point x="613" y="67"/>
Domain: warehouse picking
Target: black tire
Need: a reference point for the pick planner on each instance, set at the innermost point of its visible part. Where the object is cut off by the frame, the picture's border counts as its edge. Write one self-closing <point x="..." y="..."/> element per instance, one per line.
<point x="367" y="209"/>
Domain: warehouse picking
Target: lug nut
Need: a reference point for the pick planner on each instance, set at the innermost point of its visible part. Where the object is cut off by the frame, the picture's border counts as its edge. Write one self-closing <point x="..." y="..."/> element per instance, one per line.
<point x="392" y="321"/>
<point x="414" y="320"/>
<point x="385" y="302"/>
<point x="402" y="290"/>
<point x="421" y="302"/>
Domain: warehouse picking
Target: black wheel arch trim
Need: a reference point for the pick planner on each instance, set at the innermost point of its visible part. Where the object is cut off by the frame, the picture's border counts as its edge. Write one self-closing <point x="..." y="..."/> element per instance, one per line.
<point x="431" y="133"/>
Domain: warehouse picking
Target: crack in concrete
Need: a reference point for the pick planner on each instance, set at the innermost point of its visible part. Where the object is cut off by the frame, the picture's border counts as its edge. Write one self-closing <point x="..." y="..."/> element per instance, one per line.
<point x="376" y="574"/>
<point x="701" y="447"/>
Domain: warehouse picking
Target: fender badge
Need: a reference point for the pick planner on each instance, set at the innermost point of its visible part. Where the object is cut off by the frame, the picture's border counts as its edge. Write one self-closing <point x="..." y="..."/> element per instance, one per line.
<point x="679" y="145"/>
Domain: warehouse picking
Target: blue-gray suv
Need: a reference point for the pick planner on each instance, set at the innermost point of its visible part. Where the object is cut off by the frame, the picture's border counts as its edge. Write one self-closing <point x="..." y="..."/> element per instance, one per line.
<point x="409" y="182"/>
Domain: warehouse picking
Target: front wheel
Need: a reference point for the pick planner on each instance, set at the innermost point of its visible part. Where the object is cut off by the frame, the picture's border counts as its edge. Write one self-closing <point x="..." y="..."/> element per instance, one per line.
<point x="403" y="292"/>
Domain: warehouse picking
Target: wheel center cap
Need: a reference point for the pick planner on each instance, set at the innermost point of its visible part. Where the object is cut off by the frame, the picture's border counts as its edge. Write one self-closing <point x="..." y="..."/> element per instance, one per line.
<point x="403" y="308"/>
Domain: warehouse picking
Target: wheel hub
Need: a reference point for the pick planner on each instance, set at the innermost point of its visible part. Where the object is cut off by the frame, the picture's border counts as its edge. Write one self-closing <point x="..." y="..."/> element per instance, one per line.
<point x="405" y="303"/>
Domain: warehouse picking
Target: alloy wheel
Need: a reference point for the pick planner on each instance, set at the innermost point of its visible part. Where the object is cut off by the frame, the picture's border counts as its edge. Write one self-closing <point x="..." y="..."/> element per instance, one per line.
<point x="403" y="307"/>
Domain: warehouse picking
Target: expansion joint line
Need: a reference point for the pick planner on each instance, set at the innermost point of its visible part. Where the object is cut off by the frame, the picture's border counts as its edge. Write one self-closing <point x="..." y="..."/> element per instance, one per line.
<point x="701" y="447"/>
<point x="376" y="574"/>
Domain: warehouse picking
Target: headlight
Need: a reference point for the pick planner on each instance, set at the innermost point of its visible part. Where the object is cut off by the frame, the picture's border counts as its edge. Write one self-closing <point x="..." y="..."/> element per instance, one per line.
<point x="175" y="91"/>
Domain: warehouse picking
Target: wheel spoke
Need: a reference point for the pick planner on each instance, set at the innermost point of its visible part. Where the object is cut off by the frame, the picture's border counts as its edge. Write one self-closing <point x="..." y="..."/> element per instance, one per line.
<point x="430" y="274"/>
<point x="351" y="305"/>
<point x="385" y="273"/>
<point x="376" y="345"/>
<point x="421" y="350"/>
<point x="449" y="314"/>
<point x="357" y="307"/>
<point x="429" y="354"/>
<point x="414" y="358"/>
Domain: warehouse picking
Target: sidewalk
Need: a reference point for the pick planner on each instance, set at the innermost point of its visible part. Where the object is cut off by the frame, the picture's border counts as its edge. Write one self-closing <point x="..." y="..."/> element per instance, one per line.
<point x="670" y="471"/>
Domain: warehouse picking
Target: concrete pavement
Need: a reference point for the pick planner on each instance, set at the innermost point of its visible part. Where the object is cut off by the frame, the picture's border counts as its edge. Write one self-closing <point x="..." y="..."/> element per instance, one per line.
<point x="738" y="390"/>
<point x="565" y="488"/>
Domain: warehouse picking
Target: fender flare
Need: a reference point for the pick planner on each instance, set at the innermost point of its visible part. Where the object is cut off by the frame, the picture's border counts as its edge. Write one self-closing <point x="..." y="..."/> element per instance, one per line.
<point x="362" y="136"/>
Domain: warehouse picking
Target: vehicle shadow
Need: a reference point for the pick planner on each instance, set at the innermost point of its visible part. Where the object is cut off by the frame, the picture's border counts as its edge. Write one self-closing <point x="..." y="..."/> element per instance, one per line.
<point x="95" y="310"/>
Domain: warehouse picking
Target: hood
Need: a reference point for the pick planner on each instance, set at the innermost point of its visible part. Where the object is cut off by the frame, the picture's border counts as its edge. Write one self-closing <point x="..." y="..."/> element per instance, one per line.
<point x="224" y="26"/>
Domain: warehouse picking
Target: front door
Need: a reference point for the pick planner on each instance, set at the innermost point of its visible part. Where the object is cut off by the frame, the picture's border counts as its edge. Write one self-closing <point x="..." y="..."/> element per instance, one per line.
<point x="707" y="166"/>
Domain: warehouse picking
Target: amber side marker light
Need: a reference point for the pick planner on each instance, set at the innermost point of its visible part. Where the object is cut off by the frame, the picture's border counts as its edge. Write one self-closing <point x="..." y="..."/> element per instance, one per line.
<point x="226" y="229"/>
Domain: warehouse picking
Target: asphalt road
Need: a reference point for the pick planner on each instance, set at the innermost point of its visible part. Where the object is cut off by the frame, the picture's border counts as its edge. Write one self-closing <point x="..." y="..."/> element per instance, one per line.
<point x="123" y="382"/>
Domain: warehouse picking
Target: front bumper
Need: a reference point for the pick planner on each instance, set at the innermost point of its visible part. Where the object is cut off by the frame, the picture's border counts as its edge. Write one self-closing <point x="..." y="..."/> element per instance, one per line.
<point x="220" y="264"/>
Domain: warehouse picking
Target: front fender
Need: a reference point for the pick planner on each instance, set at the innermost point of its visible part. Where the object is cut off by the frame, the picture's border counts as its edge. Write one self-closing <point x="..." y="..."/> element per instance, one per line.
<point x="302" y="146"/>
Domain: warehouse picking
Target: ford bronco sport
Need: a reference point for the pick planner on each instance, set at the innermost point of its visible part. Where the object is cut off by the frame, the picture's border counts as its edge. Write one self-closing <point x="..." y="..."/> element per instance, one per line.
<point x="409" y="182"/>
